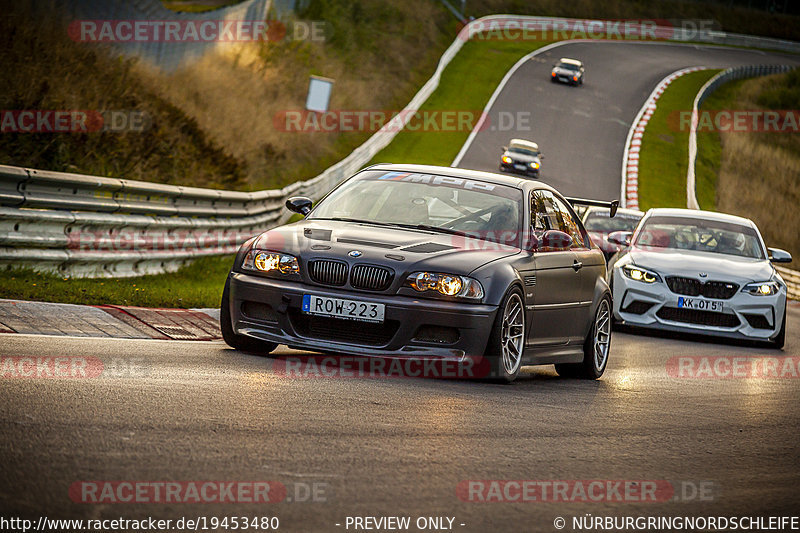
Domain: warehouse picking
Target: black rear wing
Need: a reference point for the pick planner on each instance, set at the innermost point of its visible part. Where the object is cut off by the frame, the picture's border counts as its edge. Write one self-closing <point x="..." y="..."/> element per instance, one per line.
<point x="612" y="205"/>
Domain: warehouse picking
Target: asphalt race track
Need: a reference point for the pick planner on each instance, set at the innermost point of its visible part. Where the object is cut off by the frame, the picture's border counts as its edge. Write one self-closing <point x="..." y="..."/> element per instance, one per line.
<point x="397" y="446"/>
<point x="725" y="443"/>
<point x="582" y="130"/>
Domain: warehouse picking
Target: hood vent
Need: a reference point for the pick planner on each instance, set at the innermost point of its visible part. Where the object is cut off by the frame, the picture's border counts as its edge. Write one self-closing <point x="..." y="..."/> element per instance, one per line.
<point x="373" y="244"/>
<point x="317" y="234"/>
<point x="428" y="248"/>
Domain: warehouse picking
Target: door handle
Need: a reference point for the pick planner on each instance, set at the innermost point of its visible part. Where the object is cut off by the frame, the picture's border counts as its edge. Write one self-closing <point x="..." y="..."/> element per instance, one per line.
<point x="577" y="265"/>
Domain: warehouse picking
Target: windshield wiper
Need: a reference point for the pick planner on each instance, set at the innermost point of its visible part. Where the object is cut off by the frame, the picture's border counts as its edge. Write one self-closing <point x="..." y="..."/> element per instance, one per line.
<point x="424" y="227"/>
<point x="355" y="220"/>
<point x="436" y="229"/>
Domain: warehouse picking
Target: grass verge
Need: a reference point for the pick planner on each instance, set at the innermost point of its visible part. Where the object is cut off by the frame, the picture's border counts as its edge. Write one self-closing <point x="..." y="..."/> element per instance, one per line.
<point x="198" y="284"/>
<point x="664" y="157"/>
<point x="483" y="63"/>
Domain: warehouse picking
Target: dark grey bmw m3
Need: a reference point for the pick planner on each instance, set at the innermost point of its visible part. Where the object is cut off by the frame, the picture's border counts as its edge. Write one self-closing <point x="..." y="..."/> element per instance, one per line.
<point x="432" y="263"/>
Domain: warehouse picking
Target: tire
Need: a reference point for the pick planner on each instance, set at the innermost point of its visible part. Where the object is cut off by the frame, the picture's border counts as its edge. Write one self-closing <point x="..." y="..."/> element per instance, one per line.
<point x="507" y="338"/>
<point x="234" y="340"/>
<point x="780" y="338"/>
<point x="596" y="347"/>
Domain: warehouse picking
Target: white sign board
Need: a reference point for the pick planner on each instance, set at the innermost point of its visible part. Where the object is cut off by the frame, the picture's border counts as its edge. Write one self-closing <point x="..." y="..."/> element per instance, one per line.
<point x="319" y="94"/>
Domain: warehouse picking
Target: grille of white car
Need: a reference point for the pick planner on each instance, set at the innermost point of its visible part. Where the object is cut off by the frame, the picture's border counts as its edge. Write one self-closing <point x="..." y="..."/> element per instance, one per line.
<point x="720" y="290"/>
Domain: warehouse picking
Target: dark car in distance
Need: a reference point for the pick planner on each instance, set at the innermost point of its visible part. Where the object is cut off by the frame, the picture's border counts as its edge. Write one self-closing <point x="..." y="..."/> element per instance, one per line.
<point x="432" y="263"/>
<point x="569" y="71"/>
<point x="521" y="157"/>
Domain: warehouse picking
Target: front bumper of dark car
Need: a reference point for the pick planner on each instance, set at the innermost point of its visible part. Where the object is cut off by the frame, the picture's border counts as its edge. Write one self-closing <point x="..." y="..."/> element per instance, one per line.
<point x="505" y="167"/>
<point x="560" y="78"/>
<point x="270" y="310"/>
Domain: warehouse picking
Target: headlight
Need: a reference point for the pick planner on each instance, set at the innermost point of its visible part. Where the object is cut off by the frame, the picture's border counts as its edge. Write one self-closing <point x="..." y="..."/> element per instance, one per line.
<point x="640" y="274"/>
<point x="262" y="261"/>
<point x="762" y="288"/>
<point x="447" y="284"/>
<point x="507" y="160"/>
<point x="534" y="164"/>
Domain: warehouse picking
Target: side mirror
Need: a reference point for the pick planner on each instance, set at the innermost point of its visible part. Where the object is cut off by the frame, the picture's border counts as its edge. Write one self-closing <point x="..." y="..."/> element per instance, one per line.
<point x="541" y="155"/>
<point x="550" y="241"/>
<point x="623" y="238"/>
<point x="299" y="204"/>
<point x="505" y="148"/>
<point x="776" y="255"/>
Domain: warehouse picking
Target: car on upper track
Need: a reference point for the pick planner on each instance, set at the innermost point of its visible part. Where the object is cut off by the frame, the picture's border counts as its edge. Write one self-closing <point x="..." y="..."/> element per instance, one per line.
<point x="412" y="261"/>
<point x="569" y="71"/>
<point x="521" y="157"/>
<point x="600" y="225"/>
<point x="700" y="272"/>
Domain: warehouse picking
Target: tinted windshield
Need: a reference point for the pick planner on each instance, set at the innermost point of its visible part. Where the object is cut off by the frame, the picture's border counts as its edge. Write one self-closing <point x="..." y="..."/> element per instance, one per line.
<point x="522" y="150"/>
<point x="484" y="210"/>
<point x="600" y="221"/>
<point x="568" y="66"/>
<point x="684" y="233"/>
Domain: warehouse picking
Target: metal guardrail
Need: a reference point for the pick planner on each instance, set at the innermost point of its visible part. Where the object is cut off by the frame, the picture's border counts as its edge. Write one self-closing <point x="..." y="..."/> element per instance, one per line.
<point x="96" y="226"/>
<point x="792" y="279"/>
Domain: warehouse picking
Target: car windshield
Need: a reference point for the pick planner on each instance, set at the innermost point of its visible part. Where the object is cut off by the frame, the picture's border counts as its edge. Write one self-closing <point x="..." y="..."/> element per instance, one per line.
<point x="522" y="150"/>
<point x="600" y="221"/>
<point x="568" y="66"/>
<point x="715" y="236"/>
<point x="444" y="204"/>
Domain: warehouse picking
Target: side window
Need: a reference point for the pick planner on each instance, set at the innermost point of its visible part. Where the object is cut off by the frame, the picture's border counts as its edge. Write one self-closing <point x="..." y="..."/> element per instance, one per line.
<point x="549" y="212"/>
<point x="541" y="211"/>
<point x="569" y="225"/>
